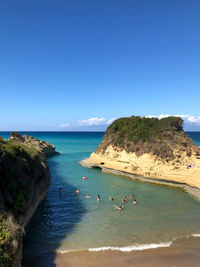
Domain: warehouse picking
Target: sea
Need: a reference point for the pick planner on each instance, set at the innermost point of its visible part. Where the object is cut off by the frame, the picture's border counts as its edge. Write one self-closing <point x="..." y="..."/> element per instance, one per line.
<point x="70" y="222"/>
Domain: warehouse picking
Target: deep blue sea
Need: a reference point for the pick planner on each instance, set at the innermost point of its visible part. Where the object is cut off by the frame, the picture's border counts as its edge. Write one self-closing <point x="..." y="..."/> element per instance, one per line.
<point x="73" y="222"/>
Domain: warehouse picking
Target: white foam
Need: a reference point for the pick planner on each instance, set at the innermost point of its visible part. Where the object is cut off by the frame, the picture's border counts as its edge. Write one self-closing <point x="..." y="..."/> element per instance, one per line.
<point x="134" y="247"/>
<point x="196" y="235"/>
<point x="66" y="251"/>
<point x="124" y="249"/>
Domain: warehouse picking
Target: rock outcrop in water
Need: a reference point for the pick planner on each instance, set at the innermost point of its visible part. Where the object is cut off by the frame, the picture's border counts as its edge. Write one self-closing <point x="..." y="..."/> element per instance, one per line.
<point x="24" y="181"/>
<point x="150" y="148"/>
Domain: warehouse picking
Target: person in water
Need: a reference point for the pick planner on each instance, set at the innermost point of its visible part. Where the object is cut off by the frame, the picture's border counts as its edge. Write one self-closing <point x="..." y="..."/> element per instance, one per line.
<point x="88" y="196"/>
<point x="98" y="198"/>
<point x="77" y="191"/>
<point x="118" y="207"/>
<point x="134" y="202"/>
<point x="60" y="191"/>
<point x="111" y="198"/>
<point x="124" y="199"/>
<point x="132" y="196"/>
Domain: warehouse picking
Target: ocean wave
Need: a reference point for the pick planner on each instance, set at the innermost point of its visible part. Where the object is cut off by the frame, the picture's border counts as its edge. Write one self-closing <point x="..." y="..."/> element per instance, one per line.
<point x="65" y="251"/>
<point x="128" y="248"/>
<point x="196" y="235"/>
<point x="123" y="249"/>
<point x="134" y="247"/>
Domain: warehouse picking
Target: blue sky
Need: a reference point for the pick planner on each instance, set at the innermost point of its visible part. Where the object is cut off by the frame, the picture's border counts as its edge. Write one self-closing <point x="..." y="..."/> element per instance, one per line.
<point x="76" y="65"/>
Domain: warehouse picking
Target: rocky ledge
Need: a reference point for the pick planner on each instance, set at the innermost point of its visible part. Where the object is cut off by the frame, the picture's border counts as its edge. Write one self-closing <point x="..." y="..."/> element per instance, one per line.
<point x="157" y="150"/>
<point x="24" y="181"/>
<point x="42" y="146"/>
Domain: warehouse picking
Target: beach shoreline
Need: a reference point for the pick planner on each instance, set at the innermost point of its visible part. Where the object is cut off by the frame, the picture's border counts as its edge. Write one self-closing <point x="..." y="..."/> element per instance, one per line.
<point x="183" y="252"/>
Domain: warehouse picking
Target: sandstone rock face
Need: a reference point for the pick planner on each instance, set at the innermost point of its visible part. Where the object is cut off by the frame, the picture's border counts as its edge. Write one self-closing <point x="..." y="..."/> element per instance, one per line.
<point x="24" y="181"/>
<point x="149" y="148"/>
<point x="147" y="165"/>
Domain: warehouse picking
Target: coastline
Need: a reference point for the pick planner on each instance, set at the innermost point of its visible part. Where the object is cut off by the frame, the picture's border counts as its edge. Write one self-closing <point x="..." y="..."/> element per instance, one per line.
<point x="183" y="252"/>
<point x="190" y="189"/>
<point x="179" y="253"/>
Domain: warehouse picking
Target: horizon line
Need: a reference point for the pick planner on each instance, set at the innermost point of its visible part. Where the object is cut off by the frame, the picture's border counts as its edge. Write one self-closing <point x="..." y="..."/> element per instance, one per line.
<point x="50" y="131"/>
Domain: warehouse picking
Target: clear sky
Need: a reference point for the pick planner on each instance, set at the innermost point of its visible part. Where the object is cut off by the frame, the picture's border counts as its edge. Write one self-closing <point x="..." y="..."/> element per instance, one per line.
<point x="65" y="65"/>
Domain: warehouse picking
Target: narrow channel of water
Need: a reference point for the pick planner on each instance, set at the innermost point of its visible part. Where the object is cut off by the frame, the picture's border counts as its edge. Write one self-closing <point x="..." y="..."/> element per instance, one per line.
<point x="73" y="222"/>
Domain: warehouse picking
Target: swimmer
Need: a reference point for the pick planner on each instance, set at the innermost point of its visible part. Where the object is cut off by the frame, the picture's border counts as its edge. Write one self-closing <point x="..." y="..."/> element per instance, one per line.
<point x="132" y="196"/>
<point x="134" y="202"/>
<point x="118" y="207"/>
<point x="77" y="191"/>
<point x="98" y="198"/>
<point x="111" y="198"/>
<point x="60" y="191"/>
<point x="124" y="199"/>
<point x="88" y="196"/>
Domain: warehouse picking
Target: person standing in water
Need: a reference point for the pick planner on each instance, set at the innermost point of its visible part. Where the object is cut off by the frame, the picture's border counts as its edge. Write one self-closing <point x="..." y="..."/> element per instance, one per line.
<point x="134" y="202"/>
<point x="98" y="198"/>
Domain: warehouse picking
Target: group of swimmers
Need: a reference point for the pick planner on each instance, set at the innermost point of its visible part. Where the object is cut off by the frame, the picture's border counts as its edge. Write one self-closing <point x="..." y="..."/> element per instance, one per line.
<point x="125" y="199"/>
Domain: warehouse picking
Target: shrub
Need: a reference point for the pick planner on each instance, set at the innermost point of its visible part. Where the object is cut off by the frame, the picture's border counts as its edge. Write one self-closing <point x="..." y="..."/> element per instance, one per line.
<point x="147" y="135"/>
<point x="5" y="236"/>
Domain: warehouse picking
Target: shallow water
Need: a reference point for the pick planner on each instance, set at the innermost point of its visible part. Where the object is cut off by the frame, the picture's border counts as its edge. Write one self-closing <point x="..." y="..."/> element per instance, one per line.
<point x="72" y="222"/>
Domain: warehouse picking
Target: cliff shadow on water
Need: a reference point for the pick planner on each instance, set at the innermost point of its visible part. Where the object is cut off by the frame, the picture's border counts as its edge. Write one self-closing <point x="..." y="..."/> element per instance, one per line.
<point x="55" y="218"/>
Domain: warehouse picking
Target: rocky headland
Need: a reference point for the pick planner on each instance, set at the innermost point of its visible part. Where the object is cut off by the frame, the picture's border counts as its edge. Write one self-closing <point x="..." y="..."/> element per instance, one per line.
<point x="24" y="181"/>
<point x="151" y="150"/>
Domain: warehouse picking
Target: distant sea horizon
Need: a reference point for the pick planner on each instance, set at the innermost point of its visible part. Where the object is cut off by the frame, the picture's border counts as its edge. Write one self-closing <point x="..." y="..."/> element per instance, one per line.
<point x="35" y="131"/>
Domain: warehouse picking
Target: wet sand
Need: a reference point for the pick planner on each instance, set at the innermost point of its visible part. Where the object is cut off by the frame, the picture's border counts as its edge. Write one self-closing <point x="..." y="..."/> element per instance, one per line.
<point x="183" y="252"/>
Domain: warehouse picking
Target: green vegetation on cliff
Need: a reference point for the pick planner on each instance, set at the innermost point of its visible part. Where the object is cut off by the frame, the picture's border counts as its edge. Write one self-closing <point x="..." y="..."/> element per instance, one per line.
<point x="24" y="180"/>
<point x="18" y="162"/>
<point x="144" y="129"/>
<point x="5" y="237"/>
<point x="148" y="135"/>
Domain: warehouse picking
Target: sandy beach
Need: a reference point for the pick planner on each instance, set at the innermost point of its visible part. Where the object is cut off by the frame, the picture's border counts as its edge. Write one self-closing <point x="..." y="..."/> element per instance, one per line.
<point x="182" y="253"/>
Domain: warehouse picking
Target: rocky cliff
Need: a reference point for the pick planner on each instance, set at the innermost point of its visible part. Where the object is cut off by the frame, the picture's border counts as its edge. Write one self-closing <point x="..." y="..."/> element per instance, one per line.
<point x="24" y="181"/>
<point x="149" y="147"/>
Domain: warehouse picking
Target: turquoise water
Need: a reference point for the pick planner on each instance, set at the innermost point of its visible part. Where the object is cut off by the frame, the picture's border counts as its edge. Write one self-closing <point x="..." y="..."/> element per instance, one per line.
<point x="71" y="222"/>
